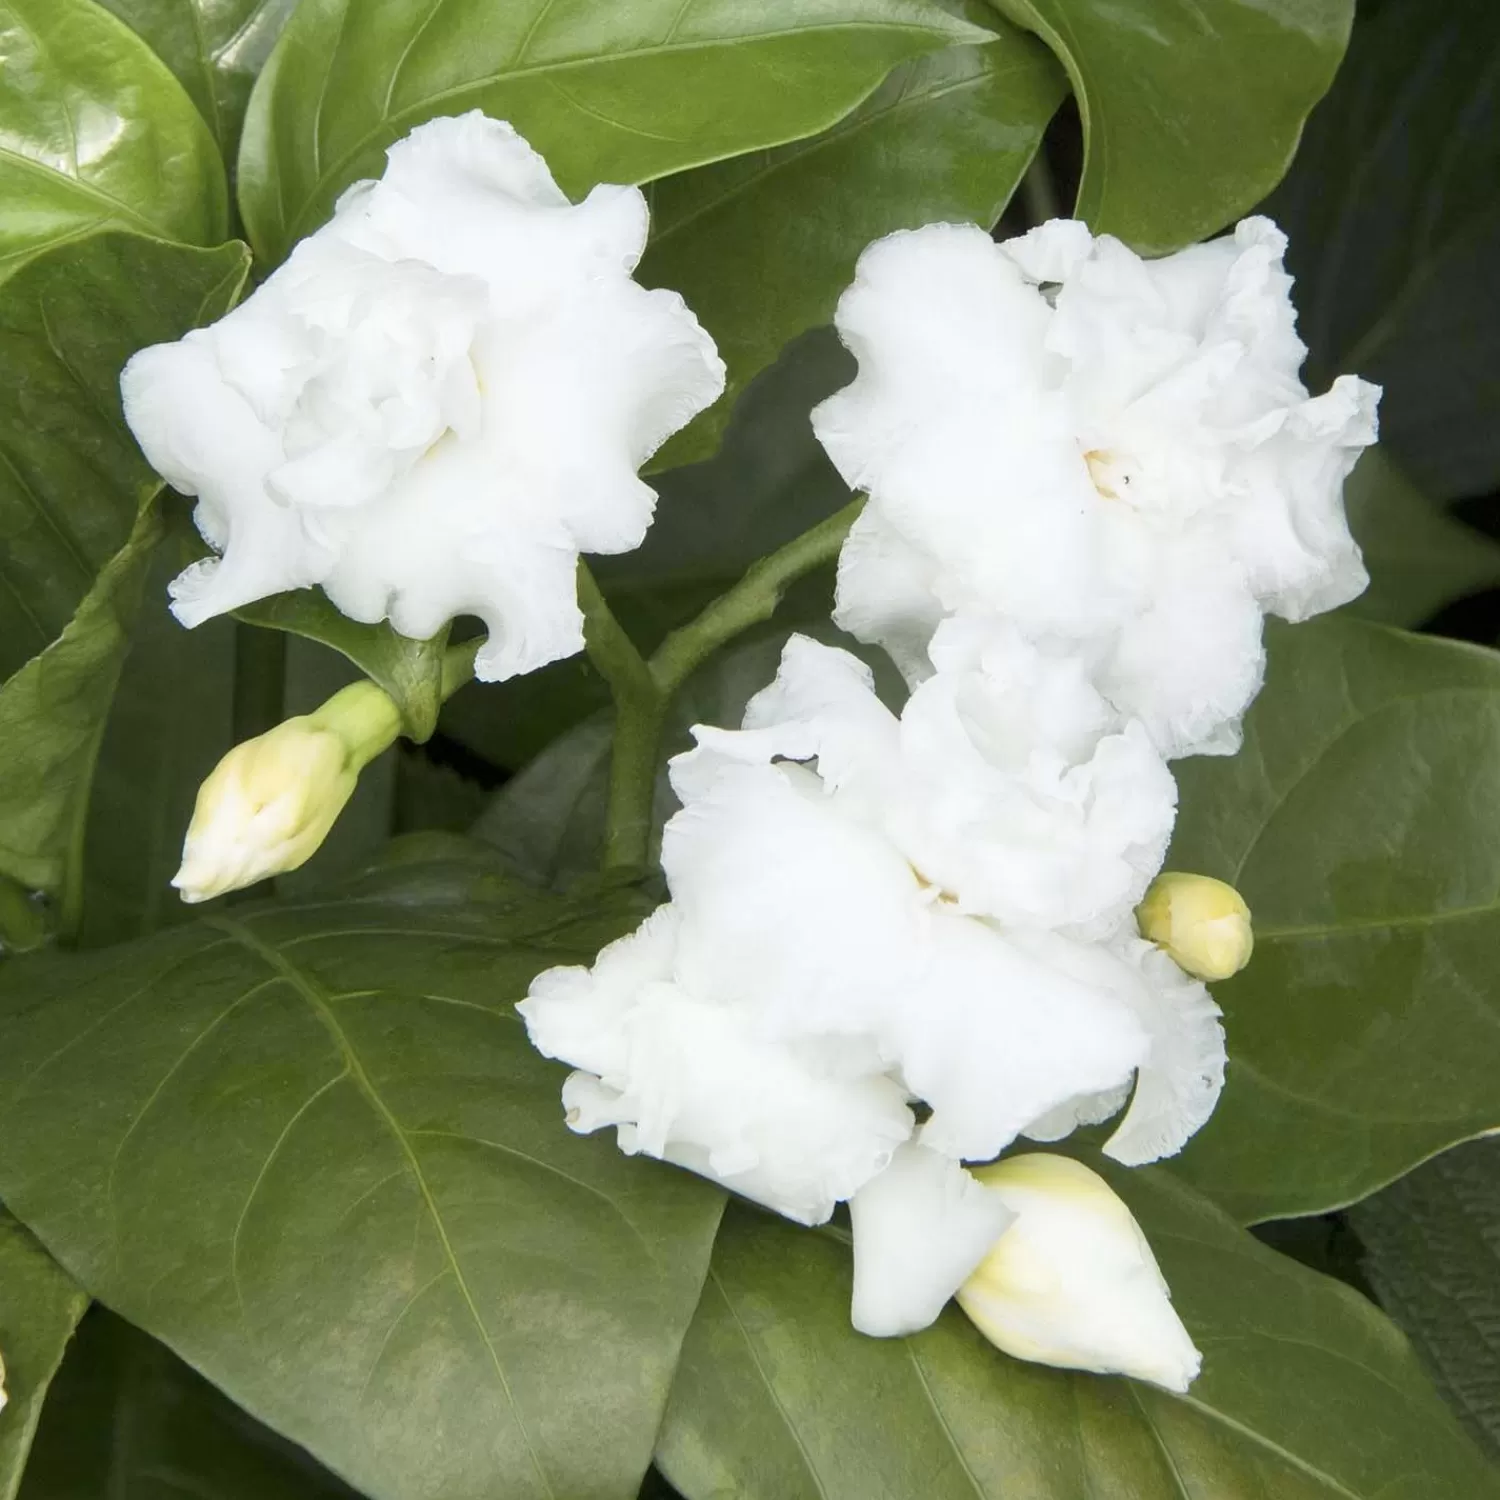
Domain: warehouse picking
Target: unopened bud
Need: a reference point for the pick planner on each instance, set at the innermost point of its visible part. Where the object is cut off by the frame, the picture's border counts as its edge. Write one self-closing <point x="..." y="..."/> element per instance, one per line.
<point x="1202" y="923"/>
<point x="1073" y="1282"/>
<point x="269" y="804"/>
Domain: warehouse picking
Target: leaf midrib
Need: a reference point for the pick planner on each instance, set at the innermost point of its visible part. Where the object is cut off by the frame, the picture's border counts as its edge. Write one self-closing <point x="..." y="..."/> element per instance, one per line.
<point x="85" y="189"/>
<point x="312" y="992"/>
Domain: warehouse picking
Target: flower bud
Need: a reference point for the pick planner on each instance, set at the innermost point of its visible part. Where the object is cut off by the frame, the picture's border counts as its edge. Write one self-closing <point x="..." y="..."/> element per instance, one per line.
<point x="1202" y="923"/>
<point x="268" y="805"/>
<point x="1073" y="1282"/>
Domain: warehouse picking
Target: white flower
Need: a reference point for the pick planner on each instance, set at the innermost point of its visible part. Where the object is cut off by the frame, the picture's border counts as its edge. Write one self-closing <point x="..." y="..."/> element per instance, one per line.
<point x="1114" y="456"/>
<point x="1004" y="782"/>
<point x="920" y="1229"/>
<point x="1072" y="1281"/>
<point x="438" y="401"/>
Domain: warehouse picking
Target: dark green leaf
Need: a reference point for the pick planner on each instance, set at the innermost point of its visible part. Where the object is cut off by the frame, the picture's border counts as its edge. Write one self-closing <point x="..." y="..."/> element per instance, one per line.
<point x="127" y="1419"/>
<point x="623" y="92"/>
<point x="169" y="724"/>
<point x="1362" y="823"/>
<point x="311" y="1149"/>
<point x="762" y="245"/>
<point x="96" y="133"/>
<point x="39" y="1308"/>
<point x="72" y="481"/>
<point x="1307" y="1392"/>
<point x="1432" y="1253"/>
<point x="1419" y="558"/>
<point x="52" y="717"/>
<point x="1191" y="112"/>
<point x="1395" y="232"/>
<point x="214" y="47"/>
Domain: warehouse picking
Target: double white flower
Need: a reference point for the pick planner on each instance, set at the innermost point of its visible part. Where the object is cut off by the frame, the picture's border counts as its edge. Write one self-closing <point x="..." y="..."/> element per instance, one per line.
<point x="898" y="942"/>
<point x="438" y="401"/>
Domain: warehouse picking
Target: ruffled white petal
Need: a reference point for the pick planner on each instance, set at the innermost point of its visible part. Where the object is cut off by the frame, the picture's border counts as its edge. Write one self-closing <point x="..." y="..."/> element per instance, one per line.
<point x="920" y="1229"/>
<point x="438" y="401"/>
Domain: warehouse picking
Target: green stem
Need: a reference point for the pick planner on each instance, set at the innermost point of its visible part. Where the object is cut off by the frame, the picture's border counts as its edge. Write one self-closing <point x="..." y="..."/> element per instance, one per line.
<point x="640" y="717"/>
<point x="643" y="690"/>
<point x="753" y="599"/>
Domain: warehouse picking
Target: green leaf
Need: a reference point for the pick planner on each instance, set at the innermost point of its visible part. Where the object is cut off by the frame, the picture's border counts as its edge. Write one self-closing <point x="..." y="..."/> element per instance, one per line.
<point x="1395" y="231"/>
<point x="1191" y="112"/>
<point x="762" y="245"/>
<point x="1362" y="823"/>
<point x="213" y="47"/>
<point x="1307" y="1392"/>
<point x="311" y="1149"/>
<point x="623" y="92"/>
<point x="1419" y="558"/>
<point x="410" y="671"/>
<point x="128" y="1420"/>
<point x="52" y="717"/>
<point x="96" y="133"/>
<point x="1432" y="1253"/>
<point x="39" y="1308"/>
<point x="170" y="722"/>
<point x="72" y="481"/>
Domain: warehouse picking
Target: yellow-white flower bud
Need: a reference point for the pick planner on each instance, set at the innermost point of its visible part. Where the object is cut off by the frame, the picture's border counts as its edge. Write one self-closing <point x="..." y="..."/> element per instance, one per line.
<point x="268" y="805"/>
<point x="1202" y="923"/>
<point x="1073" y="1282"/>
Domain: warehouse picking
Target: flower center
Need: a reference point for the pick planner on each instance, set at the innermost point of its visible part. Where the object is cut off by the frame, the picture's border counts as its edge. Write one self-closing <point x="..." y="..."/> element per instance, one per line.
<point x="1108" y="473"/>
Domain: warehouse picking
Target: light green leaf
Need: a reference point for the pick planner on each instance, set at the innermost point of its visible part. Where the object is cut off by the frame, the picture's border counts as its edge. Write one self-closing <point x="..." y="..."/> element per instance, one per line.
<point x="1307" y="1392"/>
<point x="52" y="717"/>
<point x="214" y="47"/>
<point x="128" y="1420"/>
<point x="311" y="1149"/>
<point x="39" y="1308"/>
<point x="762" y="245"/>
<point x="1362" y="823"/>
<point x="1191" y="111"/>
<point x="96" y="133"/>
<point x="1419" y="558"/>
<point x="1395" y="232"/>
<point x="607" y="93"/>
<point x="170" y="721"/>
<point x="72" y="481"/>
<point x="1432" y="1253"/>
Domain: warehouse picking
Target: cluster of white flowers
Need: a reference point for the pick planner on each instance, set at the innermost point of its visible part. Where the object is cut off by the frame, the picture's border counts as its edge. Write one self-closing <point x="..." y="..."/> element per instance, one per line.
<point x="438" y="401"/>
<point x="898" y="942"/>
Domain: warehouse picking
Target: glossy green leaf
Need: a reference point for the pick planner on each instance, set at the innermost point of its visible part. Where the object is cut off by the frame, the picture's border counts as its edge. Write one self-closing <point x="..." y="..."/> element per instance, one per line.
<point x="170" y="721"/>
<point x="410" y="671"/>
<point x="1395" y="232"/>
<point x="1432" y="1253"/>
<point x="96" y="133"/>
<point x="761" y="246"/>
<point x="52" y="718"/>
<point x="1362" y="823"/>
<point x="72" y="480"/>
<point x="1191" y="112"/>
<point x="1419" y="558"/>
<point x="1307" y="1393"/>
<point x="214" y="47"/>
<point x="623" y="92"/>
<point x="39" y="1308"/>
<point x="126" y="1419"/>
<point x="311" y="1149"/>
